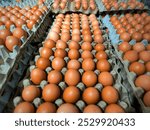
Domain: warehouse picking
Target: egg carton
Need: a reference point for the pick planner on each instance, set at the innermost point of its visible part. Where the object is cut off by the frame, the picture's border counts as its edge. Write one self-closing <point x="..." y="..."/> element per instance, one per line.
<point x="11" y="81"/>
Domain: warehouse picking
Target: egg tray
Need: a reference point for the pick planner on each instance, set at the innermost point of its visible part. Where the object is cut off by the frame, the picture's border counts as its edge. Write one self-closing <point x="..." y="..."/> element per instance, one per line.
<point x="70" y="7"/>
<point x="124" y="98"/>
<point x="8" y="59"/>
<point x="11" y="82"/>
<point x="102" y="8"/>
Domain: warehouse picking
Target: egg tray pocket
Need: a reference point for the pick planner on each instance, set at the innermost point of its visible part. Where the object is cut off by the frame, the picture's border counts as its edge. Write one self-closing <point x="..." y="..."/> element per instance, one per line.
<point x="137" y="91"/>
<point x="11" y="82"/>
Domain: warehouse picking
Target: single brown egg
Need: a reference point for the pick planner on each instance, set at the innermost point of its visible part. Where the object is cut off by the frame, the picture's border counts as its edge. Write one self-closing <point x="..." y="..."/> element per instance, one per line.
<point x="101" y="55"/>
<point x="49" y="43"/>
<point x="99" y="47"/>
<point x="65" y="37"/>
<point x="60" y="53"/>
<point x="89" y="78"/>
<point x="74" y="45"/>
<point x="92" y="109"/>
<point x="11" y="42"/>
<point x="87" y="38"/>
<point x="146" y="99"/>
<point x="67" y="108"/>
<point x="19" y="33"/>
<point x="46" y="53"/>
<point x="61" y="44"/>
<point x="114" y="108"/>
<point x="145" y="56"/>
<point x="4" y="33"/>
<point x="54" y="77"/>
<point x="73" y="64"/>
<point x="76" y="37"/>
<point x="46" y="107"/>
<point x="143" y="81"/>
<point x="105" y="78"/>
<point x="72" y="77"/>
<point x="58" y="63"/>
<point x="37" y="75"/>
<point x="30" y="92"/>
<point x="125" y="37"/>
<point x="147" y="66"/>
<point x="98" y="39"/>
<point x="86" y="54"/>
<point x="148" y="47"/>
<point x="91" y="95"/>
<point x="71" y="94"/>
<point x="103" y="65"/>
<point x="131" y="56"/>
<point x="24" y="107"/>
<point x="137" y="36"/>
<point x="88" y="64"/>
<point x="146" y="36"/>
<point x="124" y="47"/>
<point x="73" y="54"/>
<point x="86" y="46"/>
<point x="51" y="92"/>
<point x="139" y="47"/>
<point x="42" y="63"/>
<point x="31" y="23"/>
<point x="8" y="24"/>
<point x="110" y="95"/>
<point x="137" y="68"/>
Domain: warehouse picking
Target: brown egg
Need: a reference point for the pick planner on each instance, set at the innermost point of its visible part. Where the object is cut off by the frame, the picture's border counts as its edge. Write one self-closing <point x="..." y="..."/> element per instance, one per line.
<point x="89" y="78"/>
<point x="99" y="47"/>
<point x="37" y="75"/>
<point x="143" y="81"/>
<point x="105" y="78"/>
<point x="146" y="99"/>
<point x="147" y="66"/>
<point x="42" y="63"/>
<point x="24" y="107"/>
<point x="101" y="55"/>
<point x="110" y="95"/>
<point x="51" y="92"/>
<point x="46" y="53"/>
<point x="137" y="36"/>
<point x="11" y="42"/>
<point x="61" y="44"/>
<point x="98" y="39"/>
<point x="4" y="33"/>
<point x="86" y="46"/>
<point x="91" y="95"/>
<point x="131" y="56"/>
<point x="46" y="107"/>
<point x="65" y="37"/>
<point x="125" y="37"/>
<point x="31" y="92"/>
<point x="73" y="64"/>
<point x="73" y="54"/>
<point x="146" y="36"/>
<point x="19" y="23"/>
<point x="54" y="77"/>
<point x="139" y="47"/>
<point x="124" y="47"/>
<point x="19" y="33"/>
<point x="31" y="23"/>
<point x="148" y="47"/>
<point x="58" y="63"/>
<point x="86" y="54"/>
<point x="137" y="68"/>
<point x="60" y="53"/>
<point x="76" y="37"/>
<point x="67" y="108"/>
<point x="103" y="65"/>
<point x="4" y="19"/>
<point x="74" y="45"/>
<point x="8" y="24"/>
<point x="92" y="109"/>
<point x="87" y="38"/>
<point x="114" y="108"/>
<point x="88" y="64"/>
<point x="49" y="43"/>
<point x="72" y="77"/>
<point x="71" y="94"/>
<point x="145" y="56"/>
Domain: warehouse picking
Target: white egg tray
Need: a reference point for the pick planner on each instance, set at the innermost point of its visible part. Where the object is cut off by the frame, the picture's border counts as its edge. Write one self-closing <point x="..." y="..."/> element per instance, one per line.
<point x="8" y="59"/>
<point x="11" y="82"/>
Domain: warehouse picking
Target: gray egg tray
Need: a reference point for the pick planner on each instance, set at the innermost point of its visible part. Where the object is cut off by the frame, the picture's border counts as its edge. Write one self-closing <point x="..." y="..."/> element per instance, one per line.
<point x="70" y="7"/>
<point x="8" y="59"/>
<point x="102" y="8"/>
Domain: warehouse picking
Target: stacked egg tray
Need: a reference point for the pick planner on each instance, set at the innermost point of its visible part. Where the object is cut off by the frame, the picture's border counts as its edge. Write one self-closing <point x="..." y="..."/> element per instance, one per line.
<point x="8" y="59"/>
<point x="125" y="101"/>
<point x="70" y="7"/>
<point x="131" y="76"/>
<point x="102" y="7"/>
